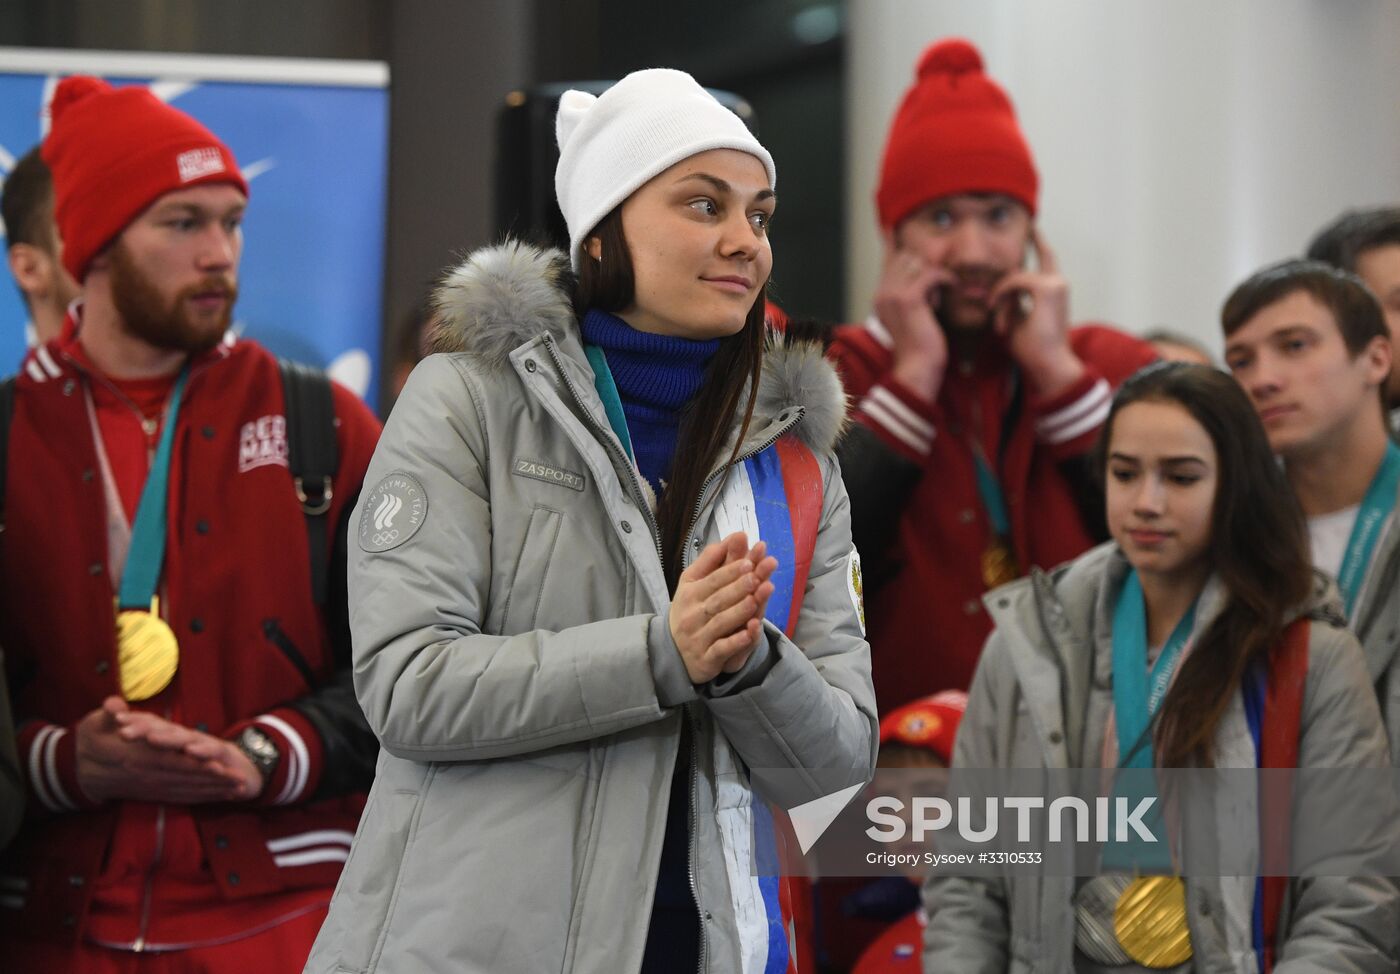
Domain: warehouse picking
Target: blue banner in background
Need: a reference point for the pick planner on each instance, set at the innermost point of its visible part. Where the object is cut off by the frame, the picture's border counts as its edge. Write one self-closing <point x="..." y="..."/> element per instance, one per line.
<point x="316" y="160"/>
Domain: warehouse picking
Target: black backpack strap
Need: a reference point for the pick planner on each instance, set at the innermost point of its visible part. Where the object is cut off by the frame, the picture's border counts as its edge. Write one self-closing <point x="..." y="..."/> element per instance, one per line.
<point x="311" y="456"/>
<point x="7" y="413"/>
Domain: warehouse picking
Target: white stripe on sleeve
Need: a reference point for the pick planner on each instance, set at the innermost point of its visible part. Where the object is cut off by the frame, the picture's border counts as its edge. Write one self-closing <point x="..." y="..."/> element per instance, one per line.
<point x="36" y="767"/>
<point x="892" y="425"/>
<point x="55" y="783"/>
<point x="1051" y="428"/>
<point x="1084" y="425"/>
<point x="311" y="856"/>
<point x="299" y="766"/>
<point x="303" y="839"/>
<point x="900" y="409"/>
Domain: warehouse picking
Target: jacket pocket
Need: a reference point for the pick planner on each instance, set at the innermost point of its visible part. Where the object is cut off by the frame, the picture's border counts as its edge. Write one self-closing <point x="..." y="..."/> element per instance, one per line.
<point x="361" y="911"/>
<point x="531" y="571"/>
<point x="272" y="631"/>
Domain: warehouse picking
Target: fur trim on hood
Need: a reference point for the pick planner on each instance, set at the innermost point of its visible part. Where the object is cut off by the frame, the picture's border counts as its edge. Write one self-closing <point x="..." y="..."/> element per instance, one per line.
<point x="501" y="297"/>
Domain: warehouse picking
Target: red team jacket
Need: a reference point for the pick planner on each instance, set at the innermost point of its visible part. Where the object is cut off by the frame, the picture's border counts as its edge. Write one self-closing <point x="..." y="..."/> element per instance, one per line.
<point x="924" y="599"/>
<point x="253" y="648"/>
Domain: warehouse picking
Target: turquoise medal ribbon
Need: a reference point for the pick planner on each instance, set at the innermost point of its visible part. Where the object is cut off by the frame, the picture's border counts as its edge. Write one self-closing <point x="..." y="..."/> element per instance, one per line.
<point x="1137" y="694"/>
<point x="988" y="486"/>
<point x="1370" y="518"/>
<point x="147" y="552"/>
<point x="607" y="391"/>
<point x="989" y="490"/>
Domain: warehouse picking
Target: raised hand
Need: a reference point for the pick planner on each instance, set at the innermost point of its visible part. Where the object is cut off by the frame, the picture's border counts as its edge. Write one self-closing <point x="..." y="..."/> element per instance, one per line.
<point x="1031" y="316"/>
<point x="716" y="614"/>
<point x="906" y="300"/>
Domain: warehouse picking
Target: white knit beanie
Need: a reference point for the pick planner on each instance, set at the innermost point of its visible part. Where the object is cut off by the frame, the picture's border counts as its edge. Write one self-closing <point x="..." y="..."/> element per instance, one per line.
<point x="611" y="144"/>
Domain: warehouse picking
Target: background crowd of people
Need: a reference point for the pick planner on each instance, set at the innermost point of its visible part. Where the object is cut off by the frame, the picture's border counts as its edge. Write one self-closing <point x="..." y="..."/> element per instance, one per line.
<point x="631" y="533"/>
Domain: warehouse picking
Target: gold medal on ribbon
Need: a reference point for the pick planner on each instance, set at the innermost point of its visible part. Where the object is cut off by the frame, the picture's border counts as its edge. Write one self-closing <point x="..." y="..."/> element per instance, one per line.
<point x="1150" y="922"/>
<point x="999" y="563"/>
<point x="147" y="652"/>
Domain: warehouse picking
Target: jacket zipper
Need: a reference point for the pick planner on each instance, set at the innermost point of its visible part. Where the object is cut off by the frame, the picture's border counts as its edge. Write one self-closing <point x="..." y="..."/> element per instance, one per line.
<point x="655" y="536"/>
<point x="694" y="725"/>
<point x="742" y="458"/>
<point x="139" y="945"/>
<point x="694" y="825"/>
<point x="635" y="493"/>
<point x="685" y="559"/>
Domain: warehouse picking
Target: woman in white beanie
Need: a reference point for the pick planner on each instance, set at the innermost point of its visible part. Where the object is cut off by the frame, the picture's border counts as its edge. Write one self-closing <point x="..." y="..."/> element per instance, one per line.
<point x="605" y="603"/>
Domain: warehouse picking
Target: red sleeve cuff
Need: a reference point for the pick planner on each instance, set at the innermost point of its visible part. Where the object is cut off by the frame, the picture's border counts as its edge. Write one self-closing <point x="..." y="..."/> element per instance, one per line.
<point x="1068" y="422"/>
<point x="905" y="422"/>
<point x="299" y="771"/>
<point x="49" y="754"/>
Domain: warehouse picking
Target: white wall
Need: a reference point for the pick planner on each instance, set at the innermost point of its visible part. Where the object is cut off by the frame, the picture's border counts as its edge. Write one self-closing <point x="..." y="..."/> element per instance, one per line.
<point x="1181" y="143"/>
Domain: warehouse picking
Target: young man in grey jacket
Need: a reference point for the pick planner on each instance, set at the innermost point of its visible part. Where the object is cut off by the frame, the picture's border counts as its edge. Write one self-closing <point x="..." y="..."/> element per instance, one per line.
<point x="1311" y="349"/>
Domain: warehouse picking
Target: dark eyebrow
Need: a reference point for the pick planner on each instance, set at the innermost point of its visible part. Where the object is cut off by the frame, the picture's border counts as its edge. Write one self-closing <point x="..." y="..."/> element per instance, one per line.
<point x="1283" y="333"/>
<point x="723" y="187"/>
<point x="1188" y="458"/>
<point x="194" y="209"/>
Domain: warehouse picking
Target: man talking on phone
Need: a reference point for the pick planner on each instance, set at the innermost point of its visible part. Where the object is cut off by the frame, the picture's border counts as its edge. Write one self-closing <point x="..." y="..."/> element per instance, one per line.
<point x="976" y="403"/>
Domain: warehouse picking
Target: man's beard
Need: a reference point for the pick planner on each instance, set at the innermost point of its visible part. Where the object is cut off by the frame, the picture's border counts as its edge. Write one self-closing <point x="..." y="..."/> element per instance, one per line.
<point x="970" y="316"/>
<point x="169" y="325"/>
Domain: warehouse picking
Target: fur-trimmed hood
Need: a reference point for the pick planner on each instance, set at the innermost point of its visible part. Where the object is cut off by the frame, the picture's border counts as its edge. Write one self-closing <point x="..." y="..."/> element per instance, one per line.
<point x="501" y="297"/>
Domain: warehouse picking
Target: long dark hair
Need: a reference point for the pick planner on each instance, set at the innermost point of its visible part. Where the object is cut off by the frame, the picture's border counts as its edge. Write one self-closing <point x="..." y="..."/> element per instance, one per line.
<point x="1258" y="546"/>
<point x="608" y="284"/>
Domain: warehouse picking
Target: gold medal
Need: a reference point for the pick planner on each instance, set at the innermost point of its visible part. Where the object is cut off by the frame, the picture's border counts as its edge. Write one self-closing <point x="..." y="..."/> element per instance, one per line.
<point x="1150" y="922"/>
<point x="999" y="564"/>
<point x="147" y="652"/>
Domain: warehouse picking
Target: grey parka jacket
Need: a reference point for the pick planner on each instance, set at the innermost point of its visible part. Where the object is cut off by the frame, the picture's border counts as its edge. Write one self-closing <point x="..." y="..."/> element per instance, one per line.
<point x="512" y="655"/>
<point x="1376" y="622"/>
<point x="1041" y="699"/>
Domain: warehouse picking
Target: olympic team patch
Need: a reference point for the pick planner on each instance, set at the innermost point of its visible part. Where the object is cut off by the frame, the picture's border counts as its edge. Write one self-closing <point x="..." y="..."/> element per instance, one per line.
<point x="392" y="512"/>
<point x="856" y="586"/>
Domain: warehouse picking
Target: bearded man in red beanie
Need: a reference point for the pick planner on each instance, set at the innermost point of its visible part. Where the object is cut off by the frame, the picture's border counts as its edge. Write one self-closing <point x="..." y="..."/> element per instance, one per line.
<point x="178" y="663"/>
<point x="976" y="402"/>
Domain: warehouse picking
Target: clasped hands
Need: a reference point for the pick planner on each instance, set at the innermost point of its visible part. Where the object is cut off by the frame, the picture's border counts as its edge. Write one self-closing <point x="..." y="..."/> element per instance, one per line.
<point x="134" y="755"/>
<point x="716" y="615"/>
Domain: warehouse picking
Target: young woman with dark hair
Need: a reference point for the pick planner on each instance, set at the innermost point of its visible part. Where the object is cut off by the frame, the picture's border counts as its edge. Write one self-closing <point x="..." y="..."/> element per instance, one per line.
<point x="602" y="576"/>
<point x="1156" y="650"/>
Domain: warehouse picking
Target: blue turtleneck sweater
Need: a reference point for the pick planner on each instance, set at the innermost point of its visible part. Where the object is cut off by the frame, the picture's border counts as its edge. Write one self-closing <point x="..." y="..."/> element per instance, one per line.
<point x="656" y="376"/>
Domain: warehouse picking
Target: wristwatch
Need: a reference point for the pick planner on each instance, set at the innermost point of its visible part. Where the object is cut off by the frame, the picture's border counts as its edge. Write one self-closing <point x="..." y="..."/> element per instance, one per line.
<point x="260" y="749"/>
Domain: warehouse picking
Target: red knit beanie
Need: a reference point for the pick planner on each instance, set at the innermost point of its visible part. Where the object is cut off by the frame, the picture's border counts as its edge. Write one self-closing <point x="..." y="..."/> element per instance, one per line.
<point x="955" y="132"/>
<point x="115" y="151"/>
<point x="929" y="722"/>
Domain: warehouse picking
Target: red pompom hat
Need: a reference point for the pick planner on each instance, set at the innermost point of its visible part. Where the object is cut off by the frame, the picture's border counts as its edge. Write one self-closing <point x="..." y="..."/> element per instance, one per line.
<point x="955" y="132"/>
<point x="115" y="151"/>
<point x="929" y="722"/>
